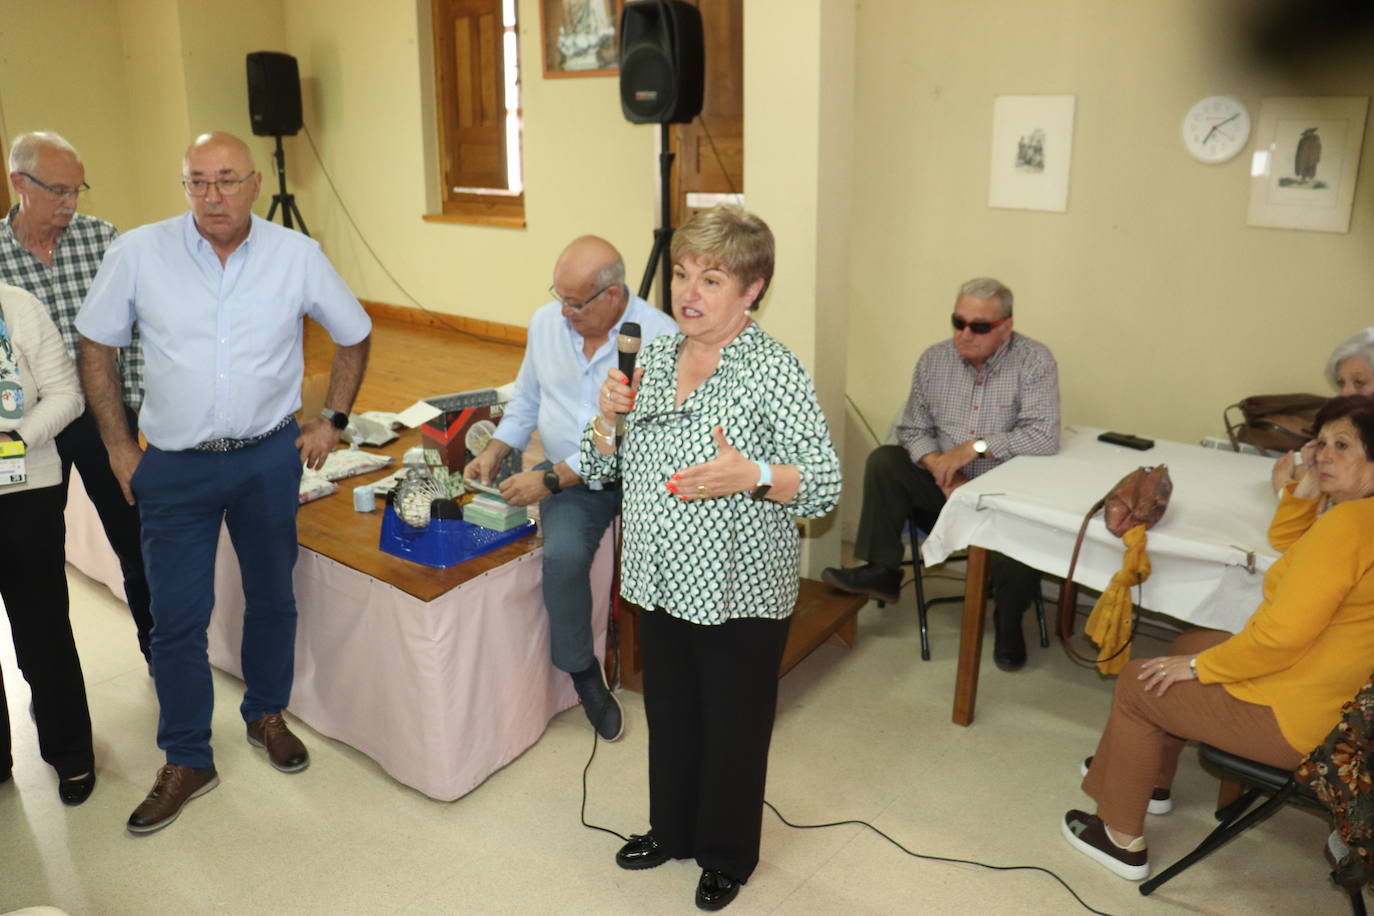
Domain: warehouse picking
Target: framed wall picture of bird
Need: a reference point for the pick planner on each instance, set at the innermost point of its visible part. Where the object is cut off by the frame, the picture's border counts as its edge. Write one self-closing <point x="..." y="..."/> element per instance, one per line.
<point x="1306" y="162"/>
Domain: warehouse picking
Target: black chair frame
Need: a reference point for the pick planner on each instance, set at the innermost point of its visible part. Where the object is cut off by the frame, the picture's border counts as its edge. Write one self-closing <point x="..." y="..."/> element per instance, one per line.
<point x="924" y="604"/>
<point x="1275" y="785"/>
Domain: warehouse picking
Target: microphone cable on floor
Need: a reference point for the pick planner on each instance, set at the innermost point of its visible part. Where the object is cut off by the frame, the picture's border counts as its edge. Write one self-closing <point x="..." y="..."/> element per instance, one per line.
<point x="915" y="855"/>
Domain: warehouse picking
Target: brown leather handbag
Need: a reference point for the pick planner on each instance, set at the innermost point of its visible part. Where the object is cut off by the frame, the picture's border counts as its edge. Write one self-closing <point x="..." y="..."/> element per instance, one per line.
<point x="1273" y="422"/>
<point x="1139" y="498"/>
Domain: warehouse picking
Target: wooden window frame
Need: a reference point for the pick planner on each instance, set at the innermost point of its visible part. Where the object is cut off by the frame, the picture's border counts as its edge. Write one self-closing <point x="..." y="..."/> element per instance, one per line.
<point x="470" y="114"/>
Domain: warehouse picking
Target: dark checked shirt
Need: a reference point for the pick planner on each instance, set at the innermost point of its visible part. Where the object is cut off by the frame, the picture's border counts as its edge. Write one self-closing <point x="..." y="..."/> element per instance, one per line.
<point x="62" y="287"/>
<point x="1012" y="402"/>
<point x="712" y="560"/>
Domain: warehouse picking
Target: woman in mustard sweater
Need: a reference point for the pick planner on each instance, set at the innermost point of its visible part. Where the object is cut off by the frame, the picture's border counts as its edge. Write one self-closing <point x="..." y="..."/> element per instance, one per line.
<point x="1271" y="692"/>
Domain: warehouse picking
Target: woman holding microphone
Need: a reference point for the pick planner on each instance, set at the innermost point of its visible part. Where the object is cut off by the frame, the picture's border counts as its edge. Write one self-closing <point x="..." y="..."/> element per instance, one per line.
<point x="725" y="446"/>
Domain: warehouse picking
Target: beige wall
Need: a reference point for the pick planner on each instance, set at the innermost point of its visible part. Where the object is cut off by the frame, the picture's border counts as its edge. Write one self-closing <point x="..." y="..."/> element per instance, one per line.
<point x="796" y="175"/>
<point x="62" y="68"/>
<point x="365" y="73"/>
<point x="1161" y="305"/>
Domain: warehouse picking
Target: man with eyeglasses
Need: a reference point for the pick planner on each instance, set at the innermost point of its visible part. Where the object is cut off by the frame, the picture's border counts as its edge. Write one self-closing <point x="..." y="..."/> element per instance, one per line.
<point x="985" y="395"/>
<point x="219" y="295"/>
<point x="51" y="250"/>
<point x="570" y="347"/>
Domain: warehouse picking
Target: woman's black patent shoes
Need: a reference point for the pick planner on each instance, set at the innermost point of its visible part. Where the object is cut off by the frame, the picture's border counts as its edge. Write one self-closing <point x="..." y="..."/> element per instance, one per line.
<point x="75" y="791"/>
<point x="641" y="852"/>
<point x="715" y="891"/>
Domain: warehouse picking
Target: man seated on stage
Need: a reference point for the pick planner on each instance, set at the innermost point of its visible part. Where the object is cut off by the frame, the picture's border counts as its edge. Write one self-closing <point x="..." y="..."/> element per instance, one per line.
<point x="570" y="348"/>
<point x="976" y="400"/>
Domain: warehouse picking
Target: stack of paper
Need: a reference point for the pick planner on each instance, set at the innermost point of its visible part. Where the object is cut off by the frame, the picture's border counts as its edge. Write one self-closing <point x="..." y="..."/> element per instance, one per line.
<point x="494" y="512"/>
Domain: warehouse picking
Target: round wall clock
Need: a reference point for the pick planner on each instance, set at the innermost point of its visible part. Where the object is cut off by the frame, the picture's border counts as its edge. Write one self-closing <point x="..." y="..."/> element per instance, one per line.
<point x="1216" y="128"/>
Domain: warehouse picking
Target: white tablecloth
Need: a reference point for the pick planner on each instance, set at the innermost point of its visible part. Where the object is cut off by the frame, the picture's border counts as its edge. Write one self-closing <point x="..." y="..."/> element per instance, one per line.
<point x="440" y="693"/>
<point x="1208" y="554"/>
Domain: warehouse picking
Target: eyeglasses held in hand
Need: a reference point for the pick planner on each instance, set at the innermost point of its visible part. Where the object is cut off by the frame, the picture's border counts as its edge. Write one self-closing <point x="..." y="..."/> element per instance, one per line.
<point x="228" y="187"/>
<point x="977" y="327"/>
<point x="59" y="191"/>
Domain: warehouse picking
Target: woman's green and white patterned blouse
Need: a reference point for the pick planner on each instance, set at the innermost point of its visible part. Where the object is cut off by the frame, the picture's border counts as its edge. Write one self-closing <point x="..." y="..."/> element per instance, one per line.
<point x="709" y="561"/>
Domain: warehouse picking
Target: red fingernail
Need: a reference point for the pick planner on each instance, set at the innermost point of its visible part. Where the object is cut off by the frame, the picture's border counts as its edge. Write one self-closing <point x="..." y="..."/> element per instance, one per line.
<point x="677" y="476"/>
<point x="672" y="487"/>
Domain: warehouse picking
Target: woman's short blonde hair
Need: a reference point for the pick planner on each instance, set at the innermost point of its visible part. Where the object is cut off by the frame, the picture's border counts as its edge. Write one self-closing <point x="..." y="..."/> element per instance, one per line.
<point x="731" y="239"/>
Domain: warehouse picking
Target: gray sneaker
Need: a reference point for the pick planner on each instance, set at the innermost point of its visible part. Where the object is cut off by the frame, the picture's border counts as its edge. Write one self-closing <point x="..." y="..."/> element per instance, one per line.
<point x="600" y="705"/>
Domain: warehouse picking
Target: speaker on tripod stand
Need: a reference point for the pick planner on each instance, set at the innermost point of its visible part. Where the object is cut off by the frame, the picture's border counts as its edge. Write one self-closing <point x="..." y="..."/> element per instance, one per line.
<point x="662" y="81"/>
<point x="274" y="106"/>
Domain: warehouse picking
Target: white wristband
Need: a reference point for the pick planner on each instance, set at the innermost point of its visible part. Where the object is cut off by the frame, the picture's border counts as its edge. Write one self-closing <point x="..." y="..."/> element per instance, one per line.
<point x="765" y="474"/>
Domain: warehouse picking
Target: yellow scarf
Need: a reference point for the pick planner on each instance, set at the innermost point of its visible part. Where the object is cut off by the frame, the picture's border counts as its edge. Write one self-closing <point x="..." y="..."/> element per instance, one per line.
<point x="1109" y="625"/>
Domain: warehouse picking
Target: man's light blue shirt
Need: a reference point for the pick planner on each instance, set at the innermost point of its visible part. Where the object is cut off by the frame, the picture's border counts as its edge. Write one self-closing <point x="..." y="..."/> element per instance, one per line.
<point x="222" y="344"/>
<point x="557" y="388"/>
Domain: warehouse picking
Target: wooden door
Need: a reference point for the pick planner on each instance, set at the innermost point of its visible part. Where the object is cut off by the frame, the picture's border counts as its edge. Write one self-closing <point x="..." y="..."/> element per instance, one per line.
<point x="701" y="166"/>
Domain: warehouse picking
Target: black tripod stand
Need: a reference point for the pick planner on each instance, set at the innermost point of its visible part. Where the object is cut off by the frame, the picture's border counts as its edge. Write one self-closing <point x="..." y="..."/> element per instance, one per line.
<point x="286" y="201"/>
<point x="663" y="235"/>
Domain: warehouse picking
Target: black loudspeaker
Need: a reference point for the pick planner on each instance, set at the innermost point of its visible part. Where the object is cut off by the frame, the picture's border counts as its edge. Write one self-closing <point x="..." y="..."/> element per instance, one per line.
<point x="662" y="62"/>
<point x="274" y="94"/>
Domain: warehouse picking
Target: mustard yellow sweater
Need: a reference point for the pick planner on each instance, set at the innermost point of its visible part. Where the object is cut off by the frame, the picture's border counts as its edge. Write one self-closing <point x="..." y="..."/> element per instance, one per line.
<point x="1310" y="644"/>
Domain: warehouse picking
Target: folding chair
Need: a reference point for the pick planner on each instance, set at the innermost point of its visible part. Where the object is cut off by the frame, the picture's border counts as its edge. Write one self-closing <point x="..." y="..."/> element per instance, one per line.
<point x="1277" y="786"/>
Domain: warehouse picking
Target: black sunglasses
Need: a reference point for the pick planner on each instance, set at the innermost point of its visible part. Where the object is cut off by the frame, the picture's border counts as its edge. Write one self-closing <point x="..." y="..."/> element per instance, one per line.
<point x="977" y="327"/>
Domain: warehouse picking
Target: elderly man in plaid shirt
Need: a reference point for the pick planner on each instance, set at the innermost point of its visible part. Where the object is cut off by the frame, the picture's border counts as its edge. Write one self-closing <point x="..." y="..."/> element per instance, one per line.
<point x="49" y="249"/>
<point x="984" y="396"/>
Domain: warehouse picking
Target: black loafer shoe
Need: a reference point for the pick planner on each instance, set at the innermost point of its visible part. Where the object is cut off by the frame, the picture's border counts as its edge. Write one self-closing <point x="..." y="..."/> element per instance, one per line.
<point x="643" y="851"/>
<point x="715" y="891"/>
<point x="75" y="791"/>
<point x="877" y="582"/>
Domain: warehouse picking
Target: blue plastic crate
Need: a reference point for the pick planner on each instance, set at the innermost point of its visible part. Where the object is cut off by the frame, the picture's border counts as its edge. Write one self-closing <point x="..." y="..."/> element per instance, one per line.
<point x="446" y="542"/>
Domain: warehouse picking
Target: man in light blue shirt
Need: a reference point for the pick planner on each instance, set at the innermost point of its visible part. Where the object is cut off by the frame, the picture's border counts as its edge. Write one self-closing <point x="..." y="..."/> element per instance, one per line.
<point x="218" y="296"/>
<point x="569" y="349"/>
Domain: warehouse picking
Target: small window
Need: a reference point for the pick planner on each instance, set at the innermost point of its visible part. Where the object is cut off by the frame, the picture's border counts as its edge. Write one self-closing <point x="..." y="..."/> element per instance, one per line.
<point x="477" y="101"/>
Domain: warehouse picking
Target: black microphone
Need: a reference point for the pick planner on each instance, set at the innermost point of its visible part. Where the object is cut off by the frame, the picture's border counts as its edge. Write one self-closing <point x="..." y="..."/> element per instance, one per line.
<point x="627" y="342"/>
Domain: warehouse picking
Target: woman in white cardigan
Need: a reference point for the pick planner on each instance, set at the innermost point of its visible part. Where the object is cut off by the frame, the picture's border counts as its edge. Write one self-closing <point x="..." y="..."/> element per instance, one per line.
<point x="39" y="396"/>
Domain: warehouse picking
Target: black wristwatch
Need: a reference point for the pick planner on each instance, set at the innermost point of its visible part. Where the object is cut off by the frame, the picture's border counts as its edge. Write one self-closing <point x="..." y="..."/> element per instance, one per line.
<point x="551" y="481"/>
<point x="338" y="419"/>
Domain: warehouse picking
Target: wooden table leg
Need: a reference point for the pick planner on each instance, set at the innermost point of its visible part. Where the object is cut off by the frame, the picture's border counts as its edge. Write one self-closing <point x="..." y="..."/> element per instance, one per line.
<point x="971" y="636"/>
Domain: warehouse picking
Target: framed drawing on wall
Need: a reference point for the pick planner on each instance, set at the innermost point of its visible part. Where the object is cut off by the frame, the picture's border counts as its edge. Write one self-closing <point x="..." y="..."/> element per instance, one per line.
<point x="580" y="37"/>
<point x="1032" y="151"/>
<point x="1306" y="159"/>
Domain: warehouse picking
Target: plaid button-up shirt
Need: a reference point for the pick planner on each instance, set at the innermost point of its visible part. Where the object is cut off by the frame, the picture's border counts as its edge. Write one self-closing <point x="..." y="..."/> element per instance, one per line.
<point x="1012" y="402"/>
<point x="62" y="287"/>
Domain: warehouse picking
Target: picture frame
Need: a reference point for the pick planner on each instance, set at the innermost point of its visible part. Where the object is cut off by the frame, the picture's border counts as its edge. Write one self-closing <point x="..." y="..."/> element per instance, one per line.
<point x="1032" y="152"/>
<point x="580" y="37"/>
<point x="1306" y="161"/>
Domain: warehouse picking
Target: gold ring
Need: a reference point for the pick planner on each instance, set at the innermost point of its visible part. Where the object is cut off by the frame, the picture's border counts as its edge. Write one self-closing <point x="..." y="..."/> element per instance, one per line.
<point x="701" y="491"/>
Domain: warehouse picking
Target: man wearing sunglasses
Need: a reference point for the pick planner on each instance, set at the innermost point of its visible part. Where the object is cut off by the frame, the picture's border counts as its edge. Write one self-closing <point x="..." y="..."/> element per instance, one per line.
<point x="985" y="395"/>
<point x="51" y="250"/>
<point x="570" y="347"/>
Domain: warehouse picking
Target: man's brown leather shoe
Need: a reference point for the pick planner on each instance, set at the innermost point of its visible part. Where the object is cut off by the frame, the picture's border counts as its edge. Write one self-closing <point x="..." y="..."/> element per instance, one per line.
<point x="175" y="786"/>
<point x="284" y="749"/>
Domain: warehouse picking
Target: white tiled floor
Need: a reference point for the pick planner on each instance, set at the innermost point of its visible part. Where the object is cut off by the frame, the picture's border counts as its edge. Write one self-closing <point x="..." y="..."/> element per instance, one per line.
<point x="861" y="734"/>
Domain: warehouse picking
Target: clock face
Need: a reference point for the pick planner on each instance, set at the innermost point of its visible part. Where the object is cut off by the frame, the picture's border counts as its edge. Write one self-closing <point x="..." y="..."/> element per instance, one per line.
<point x="1216" y="128"/>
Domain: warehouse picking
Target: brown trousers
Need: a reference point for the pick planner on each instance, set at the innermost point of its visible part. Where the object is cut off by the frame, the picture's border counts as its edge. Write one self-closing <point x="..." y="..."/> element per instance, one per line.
<point x="1140" y="746"/>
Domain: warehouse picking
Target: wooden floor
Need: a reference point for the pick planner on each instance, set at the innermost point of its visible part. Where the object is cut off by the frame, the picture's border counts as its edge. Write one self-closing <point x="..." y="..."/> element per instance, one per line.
<point x="411" y="361"/>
